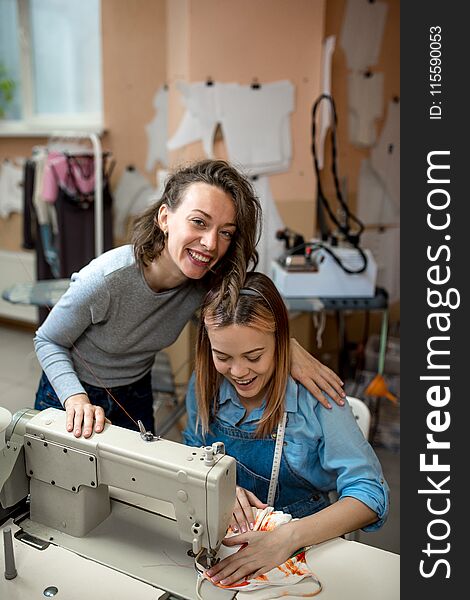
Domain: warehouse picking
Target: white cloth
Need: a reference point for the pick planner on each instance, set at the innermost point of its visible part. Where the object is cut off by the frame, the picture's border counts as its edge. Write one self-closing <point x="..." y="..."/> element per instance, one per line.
<point x="278" y="580"/>
<point x="11" y="187"/>
<point x="201" y="117"/>
<point x="157" y="131"/>
<point x="255" y="122"/>
<point x="362" y="32"/>
<point x="256" y="125"/>
<point x="365" y="106"/>
<point x="133" y="194"/>
<point x="269" y="248"/>
<point x="325" y="114"/>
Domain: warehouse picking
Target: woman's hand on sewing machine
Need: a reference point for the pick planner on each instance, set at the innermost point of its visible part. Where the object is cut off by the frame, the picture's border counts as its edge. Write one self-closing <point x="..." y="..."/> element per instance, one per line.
<point x="264" y="550"/>
<point x="243" y="514"/>
<point x="315" y="376"/>
<point x="81" y="412"/>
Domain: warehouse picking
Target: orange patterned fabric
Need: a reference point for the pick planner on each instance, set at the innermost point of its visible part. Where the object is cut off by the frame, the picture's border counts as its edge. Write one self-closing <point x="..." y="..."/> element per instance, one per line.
<point x="294" y="570"/>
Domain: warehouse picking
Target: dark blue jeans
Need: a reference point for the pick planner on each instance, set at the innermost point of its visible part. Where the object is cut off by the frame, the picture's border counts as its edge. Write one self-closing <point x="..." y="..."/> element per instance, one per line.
<point x="136" y="398"/>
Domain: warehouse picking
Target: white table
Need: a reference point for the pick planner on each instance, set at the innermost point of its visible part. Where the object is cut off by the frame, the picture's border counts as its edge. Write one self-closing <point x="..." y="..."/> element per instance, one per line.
<point x="347" y="570"/>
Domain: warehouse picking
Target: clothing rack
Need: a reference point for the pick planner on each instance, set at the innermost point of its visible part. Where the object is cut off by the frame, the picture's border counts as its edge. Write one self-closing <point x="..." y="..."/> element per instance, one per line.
<point x="98" y="164"/>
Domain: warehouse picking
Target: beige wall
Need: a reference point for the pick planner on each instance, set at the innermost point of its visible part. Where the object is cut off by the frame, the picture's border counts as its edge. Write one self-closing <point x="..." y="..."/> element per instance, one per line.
<point x="147" y="43"/>
<point x="134" y="67"/>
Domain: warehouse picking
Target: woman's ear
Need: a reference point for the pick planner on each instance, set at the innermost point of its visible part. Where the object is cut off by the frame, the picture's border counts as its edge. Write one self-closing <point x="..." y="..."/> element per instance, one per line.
<point x="161" y="217"/>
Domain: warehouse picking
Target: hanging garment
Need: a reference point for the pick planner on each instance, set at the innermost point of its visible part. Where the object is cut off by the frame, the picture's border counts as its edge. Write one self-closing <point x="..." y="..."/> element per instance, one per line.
<point x="47" y="221"/>
<point x="63" y="200"/>
<point x="255" y="121"/>
<point x="11" y="187"/>
<point x="256" y="125"/>
<point x="362" y="32"/>
<point x="325" y="112"/>
<point x="29" y="217"/>
<point x="365" y="106"/>
<point x="201" y="117"/>
<point x="74" y="173"/>
<point x="76" y="223"/>
<point x="157" y="131"/>
<point x="133" y="194"/>
<point x="269" y="247"/>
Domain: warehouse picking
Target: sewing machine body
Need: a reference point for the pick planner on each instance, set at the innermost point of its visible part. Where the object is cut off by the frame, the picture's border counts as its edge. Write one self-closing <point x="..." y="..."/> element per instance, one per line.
<point x="139" y="507"/>
<point x="328" y="280"/>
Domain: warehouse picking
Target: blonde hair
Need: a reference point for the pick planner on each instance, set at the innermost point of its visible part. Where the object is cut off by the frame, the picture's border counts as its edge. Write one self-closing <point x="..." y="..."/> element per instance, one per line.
<point x="259" y="305"/>
<point x="228" y="275"/>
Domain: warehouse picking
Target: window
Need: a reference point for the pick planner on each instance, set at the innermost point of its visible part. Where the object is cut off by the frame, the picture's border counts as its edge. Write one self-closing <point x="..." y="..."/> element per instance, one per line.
<point x="51" y="51"/>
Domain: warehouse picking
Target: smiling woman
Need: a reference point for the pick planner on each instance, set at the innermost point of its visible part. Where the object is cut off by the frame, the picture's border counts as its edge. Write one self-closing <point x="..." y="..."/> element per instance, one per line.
<point x="198" y="233"/>
<point x="290" y="451"/>
<point x="98" y="344"/>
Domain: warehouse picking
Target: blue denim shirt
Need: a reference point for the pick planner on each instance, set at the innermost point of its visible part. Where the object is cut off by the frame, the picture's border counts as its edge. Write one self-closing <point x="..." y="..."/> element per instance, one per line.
<point x="325" y="446"/>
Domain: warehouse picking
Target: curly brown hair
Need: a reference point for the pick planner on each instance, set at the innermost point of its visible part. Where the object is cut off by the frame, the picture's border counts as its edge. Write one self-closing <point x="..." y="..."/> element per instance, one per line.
<point x="228" y="275"/>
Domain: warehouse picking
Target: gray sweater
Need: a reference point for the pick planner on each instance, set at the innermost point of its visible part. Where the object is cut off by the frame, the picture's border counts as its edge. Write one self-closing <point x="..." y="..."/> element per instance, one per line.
<point x="108" y="326"/>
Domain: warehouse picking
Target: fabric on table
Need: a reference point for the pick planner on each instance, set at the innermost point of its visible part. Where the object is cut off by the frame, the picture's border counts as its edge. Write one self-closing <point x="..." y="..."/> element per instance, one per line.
<point x="288" y="574"/>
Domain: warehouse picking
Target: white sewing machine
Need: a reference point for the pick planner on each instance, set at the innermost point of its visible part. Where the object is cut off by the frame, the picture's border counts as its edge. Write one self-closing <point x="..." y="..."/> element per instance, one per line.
<point x="142" y="507"/>
<point x="117" y="517"/>
<point x="319" y="275"/>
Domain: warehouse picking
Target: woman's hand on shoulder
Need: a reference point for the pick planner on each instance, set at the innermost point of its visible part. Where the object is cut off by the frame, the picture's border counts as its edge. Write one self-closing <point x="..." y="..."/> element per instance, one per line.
<point x="263" y="551"/>
<point x="243" y="517"/>
<point x="80" y="412"/>
<point x="315" y="376"/>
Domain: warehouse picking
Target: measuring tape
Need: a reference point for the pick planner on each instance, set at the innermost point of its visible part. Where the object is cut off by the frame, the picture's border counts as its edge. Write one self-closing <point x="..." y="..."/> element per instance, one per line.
<point x="281" y="429"/>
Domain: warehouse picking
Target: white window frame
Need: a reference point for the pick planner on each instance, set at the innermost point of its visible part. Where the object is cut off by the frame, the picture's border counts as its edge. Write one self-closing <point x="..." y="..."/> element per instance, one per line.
<point x="31" y="124"/>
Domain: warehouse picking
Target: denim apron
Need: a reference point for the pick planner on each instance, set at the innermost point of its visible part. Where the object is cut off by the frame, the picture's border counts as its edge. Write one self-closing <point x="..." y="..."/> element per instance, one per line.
<point x="294" y="495"/>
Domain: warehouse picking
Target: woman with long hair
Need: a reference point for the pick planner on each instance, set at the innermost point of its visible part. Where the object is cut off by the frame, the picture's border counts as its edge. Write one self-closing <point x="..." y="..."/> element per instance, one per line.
<point x="242" y="395"/>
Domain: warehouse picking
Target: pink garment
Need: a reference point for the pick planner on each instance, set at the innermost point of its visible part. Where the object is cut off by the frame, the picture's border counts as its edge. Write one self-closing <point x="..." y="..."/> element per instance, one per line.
<point x="74" y="173"/>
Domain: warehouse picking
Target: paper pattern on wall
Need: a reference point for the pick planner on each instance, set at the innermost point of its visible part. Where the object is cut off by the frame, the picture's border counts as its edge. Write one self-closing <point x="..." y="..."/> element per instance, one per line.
<point x="157" y="131"/>
<point x="375" y="206"/>
<point x="255" y="122"/>
<point x="200" y="118"/>
<point x="365" y="106"/>
<point x="362" y="32"/>
<point x="385" y="156"/>
<point x="385" y="247"/>
<point x="256" y="125"/>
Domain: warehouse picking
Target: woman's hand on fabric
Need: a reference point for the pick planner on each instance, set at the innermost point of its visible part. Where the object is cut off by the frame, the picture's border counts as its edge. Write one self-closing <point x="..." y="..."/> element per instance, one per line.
<point x="315" y="376"/>
<point x="80" y="412"/>
<point x="243" y="518"/>
<point x="263" y="551"/>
